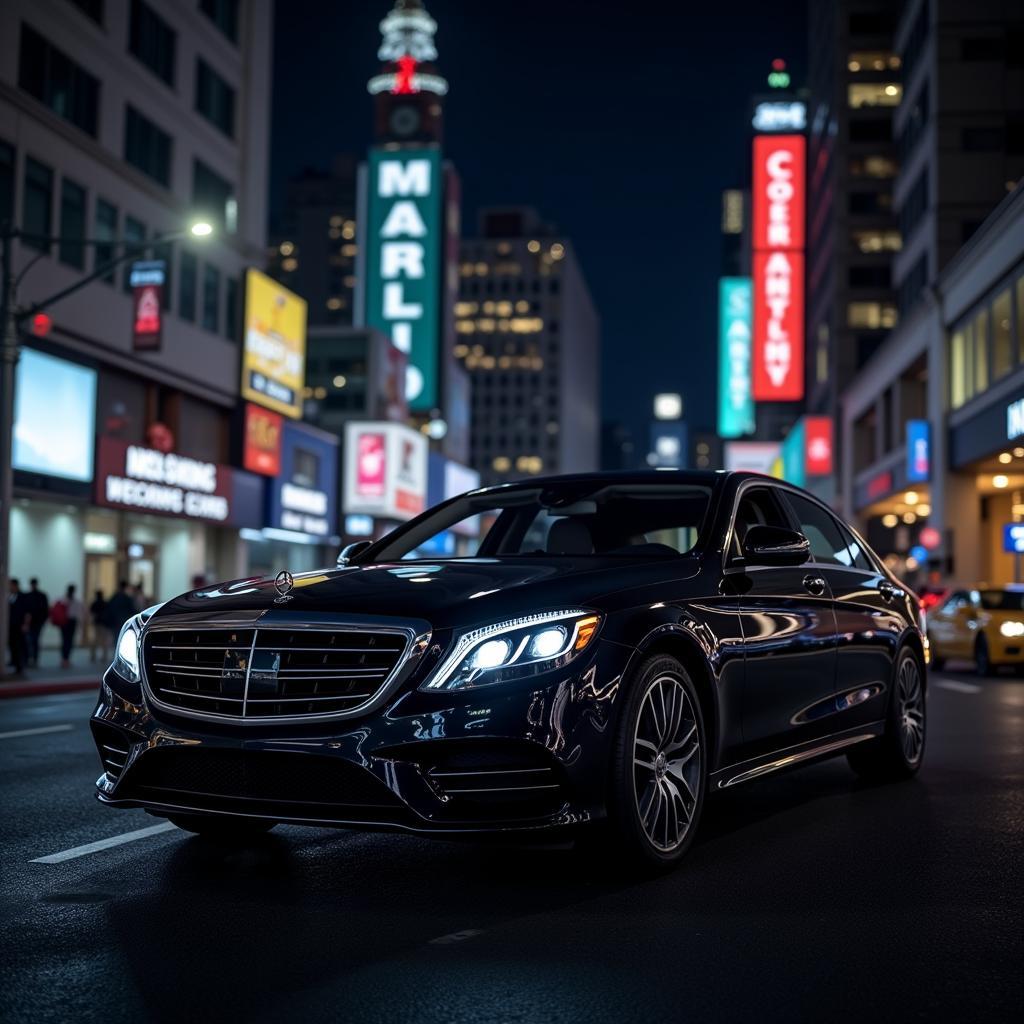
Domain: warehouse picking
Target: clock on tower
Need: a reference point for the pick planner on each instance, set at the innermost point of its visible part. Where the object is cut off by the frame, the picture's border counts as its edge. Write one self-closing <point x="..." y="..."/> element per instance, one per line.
<point x="408" y="90"/>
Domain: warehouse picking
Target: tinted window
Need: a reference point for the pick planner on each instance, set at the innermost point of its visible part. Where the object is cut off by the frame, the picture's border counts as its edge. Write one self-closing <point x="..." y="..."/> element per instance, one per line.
<point x="1002" y="600"/>
<point x="818" y="526"/>
<point x="152" y="40"/>
<point x="53" y="78"/>
<point x="857" y="555"/>
<point x="146" y="146"/>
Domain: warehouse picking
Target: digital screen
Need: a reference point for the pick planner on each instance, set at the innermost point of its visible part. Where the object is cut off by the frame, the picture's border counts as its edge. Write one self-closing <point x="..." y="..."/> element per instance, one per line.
<point x="54" y="417"/>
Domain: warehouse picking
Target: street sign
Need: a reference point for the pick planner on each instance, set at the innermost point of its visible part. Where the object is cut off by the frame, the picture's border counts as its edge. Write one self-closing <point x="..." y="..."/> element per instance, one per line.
<point x="1013" y="538"/>
<point x="147" y="280"/>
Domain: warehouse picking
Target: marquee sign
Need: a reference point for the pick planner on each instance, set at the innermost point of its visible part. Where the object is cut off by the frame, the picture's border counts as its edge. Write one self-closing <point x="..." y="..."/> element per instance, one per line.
<point x="403" y="244"/>
<point x="778" y="242"/>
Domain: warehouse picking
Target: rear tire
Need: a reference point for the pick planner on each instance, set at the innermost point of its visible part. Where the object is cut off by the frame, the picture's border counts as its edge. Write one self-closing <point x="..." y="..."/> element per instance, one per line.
<point x="898" y="753"/>
<point x="659" y="767"/>
<point x="982" y="659"/>
<point x="222" y="827"/>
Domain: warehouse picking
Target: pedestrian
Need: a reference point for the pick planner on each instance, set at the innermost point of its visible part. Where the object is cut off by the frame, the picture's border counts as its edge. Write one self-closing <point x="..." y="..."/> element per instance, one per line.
<point x="39" y="612"/>
<point x="18" y="619"/>
<point x="120" y="608"/>
<point x="100" y="633"/>
<point x="65" y="615"/>
<point x="138" y="595"/>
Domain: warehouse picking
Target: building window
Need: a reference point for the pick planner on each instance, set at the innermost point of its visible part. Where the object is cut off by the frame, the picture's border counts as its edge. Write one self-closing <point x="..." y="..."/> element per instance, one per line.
<point x="71" y="247"/>
<point x="870" y="277"/>
<point x="215" y="99"/>
<point x="152" y="41"/>
<point x="36" y="205"/>
<point x="213" y="196"/>
<point x="915" y="206"/>
<point x="917" y="37"/>
<point x="869" y="202"/>
<point x="56" y="80"/>
<point x="873" y="166"/>
<point x="873" y="129"/>
<point x="224" y="14"/>
<point x="989" y="48"/>
<point x="873" y="94"/>
<point x="870" y="241"/>
<point x="147" y="147"/>
<point x="134" y="234"/>
<point x="873" y="60"/>
<point x="211" y="298"/>
<point x="7" y="156"/>
<point x="914" y="125"/>
<point x="231" y="309"/>
<point x="105" y="230"/>
<point x="981" y="352"/>
<point x="871" y="315"/>
<point x="1003" y="356"/>
<point x="91" y="9"/>
<point x="912" y="285"/>
<point x="187" y="269"/>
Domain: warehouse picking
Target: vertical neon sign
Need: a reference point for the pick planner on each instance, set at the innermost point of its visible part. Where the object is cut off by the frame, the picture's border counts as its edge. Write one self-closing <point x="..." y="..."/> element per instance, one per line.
<point x="735" y="402"/>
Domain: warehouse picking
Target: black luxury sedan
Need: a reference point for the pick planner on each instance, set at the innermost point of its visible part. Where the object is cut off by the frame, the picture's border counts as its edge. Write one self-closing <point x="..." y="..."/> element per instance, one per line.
<point x="603" y="652"/>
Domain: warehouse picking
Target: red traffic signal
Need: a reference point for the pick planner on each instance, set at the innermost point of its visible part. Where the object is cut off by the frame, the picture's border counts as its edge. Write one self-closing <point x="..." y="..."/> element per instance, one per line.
<point x="41" y="325"/>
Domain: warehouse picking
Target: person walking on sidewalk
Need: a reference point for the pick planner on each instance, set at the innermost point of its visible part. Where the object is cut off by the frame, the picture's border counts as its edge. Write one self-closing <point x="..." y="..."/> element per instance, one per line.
<point x="100" y="633"/>
<point x="18" y="619"/>
<point x="39" y="612"/>
<point x="65" y="615"/>
<point x="120" y="608"/>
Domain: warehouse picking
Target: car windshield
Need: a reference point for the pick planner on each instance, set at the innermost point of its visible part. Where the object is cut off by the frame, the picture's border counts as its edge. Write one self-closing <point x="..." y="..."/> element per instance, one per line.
<point x="648" y="521"/>
<point x="1002" y="600"/>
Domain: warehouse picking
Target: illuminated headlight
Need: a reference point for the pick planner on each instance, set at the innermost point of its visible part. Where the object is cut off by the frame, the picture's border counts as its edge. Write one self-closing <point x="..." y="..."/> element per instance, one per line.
<point x="515" y="648"/>
<point x="126" y="654"/>
<point x="1012" y="628"/>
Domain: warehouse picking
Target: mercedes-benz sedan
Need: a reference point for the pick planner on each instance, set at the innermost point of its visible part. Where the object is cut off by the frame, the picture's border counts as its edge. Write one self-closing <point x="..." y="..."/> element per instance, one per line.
<point x="602" y="652"/>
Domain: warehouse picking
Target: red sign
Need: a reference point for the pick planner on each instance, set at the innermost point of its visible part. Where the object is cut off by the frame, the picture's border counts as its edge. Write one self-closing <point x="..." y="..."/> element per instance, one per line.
<point x="371" y="463"/>
<point x="818" y="440"/>
<point x="778" y="241"/>
<point x="930" y="537"/>
<point x="147" y="281"/>
<point x="261" y="452"/>
<point x="879" y="485"/>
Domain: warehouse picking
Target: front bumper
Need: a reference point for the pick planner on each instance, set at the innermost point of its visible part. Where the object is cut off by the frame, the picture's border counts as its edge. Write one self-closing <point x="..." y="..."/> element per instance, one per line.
<point x="527" y="755"/>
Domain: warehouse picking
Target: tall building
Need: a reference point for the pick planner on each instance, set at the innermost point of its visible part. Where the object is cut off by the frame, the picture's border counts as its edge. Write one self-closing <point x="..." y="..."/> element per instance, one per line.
<point x="529" y="336"/>
<point x="946" y="379"/>
<point x="854" y="88"/>
<point x="313" y="247"/>
<point x="127" y="120"/>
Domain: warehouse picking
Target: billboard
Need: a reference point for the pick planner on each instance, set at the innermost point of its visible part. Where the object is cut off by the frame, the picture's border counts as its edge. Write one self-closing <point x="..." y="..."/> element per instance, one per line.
<point x="751" y="456"/>
<point x="385" y="470"/>
<point x="778" y="242"/>
<point x="818" y="446"/>
<point x="261" y="448"/>
<point x="303" y="497"/>
<point x="273" y="345"/>
<point x="54" y="417"/>
<point x="735" y="401"/>
<point x="403" y="262"/>
<point x="918" y="451"/>
<point x="147" y="279"/>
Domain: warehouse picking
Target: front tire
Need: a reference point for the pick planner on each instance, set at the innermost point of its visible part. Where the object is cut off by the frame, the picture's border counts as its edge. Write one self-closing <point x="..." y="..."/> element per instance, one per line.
<point x="222" y="827"/>
<point x="659" y="766"/>
<point x="898" y="753"/>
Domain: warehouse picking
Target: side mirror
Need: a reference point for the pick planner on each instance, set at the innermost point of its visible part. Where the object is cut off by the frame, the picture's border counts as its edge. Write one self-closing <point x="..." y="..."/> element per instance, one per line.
<point x="774" y="545"/>
<point x="349" y="551"/>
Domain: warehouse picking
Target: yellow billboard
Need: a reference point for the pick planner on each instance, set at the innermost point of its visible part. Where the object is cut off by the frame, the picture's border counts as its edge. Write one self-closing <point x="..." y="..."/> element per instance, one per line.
<point x="274" y="345"/>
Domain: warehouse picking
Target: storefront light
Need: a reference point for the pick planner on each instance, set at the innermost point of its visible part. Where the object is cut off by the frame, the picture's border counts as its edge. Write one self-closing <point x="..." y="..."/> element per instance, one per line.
<point x="910" y="497"/>
<point x="1018" y="453"/>
<point x="1005" y="458"/>
<point x="924" y="510"/>
<point x="890" y="520"/>
<point x="1000" y="480"/>
<point x="909" y="518"/>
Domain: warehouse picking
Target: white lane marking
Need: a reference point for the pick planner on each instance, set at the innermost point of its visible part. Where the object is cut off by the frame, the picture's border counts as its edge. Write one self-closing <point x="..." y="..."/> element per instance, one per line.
<point x="447" y="940"/>
<point x="37" y="731"/>
<point x="103" y="844"/>
<point x="953" y="684"/>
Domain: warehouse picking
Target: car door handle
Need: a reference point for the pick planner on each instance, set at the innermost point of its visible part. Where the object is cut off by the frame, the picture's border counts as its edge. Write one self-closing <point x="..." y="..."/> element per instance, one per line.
<point x="815" y="585"/>
<point x="889" y="592"/>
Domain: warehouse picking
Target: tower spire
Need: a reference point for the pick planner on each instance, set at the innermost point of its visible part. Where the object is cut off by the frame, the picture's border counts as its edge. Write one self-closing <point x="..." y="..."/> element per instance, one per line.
<point x="407" y="51"/>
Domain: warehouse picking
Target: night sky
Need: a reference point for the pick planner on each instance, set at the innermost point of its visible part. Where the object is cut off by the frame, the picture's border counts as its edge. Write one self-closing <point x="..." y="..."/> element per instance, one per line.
<point x="621" y="122"/>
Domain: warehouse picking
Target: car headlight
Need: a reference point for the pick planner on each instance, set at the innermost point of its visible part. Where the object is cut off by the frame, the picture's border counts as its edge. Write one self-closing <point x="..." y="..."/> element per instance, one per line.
<point x="515" y="648"/>
<point x="1011" y="628"/>
<point x="126" y="653"/>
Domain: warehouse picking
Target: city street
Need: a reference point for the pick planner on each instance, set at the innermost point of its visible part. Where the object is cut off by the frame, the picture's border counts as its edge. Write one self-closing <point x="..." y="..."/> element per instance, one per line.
<point x="807" y="896"/>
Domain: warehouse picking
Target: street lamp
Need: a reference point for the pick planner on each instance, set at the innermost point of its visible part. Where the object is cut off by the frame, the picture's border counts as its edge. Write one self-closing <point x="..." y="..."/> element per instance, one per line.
<point x="10" y="319"/>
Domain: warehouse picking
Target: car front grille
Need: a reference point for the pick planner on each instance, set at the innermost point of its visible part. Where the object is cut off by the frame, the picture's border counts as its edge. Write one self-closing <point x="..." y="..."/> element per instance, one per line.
<point x="270" y="672"/>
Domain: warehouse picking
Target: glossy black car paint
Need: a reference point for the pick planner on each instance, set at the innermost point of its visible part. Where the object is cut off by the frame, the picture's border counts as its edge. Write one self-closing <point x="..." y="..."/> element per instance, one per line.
<point x="786" y="672"/>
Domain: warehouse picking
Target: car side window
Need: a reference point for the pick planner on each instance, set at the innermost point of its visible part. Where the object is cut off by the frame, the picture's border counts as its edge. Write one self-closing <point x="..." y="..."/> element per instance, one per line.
<point x="827" y="543"/>
<point x="858" y="556"/>
<point x="953" y="602"/>
<point x="757" y="507"/>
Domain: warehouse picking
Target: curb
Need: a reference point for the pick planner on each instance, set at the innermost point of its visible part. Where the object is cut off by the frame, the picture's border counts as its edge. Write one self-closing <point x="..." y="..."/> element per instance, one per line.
<point x="33" y="688"/>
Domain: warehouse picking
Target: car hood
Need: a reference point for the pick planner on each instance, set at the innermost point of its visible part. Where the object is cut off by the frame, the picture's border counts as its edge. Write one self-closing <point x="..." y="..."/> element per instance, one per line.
<point x="444" y="593"/>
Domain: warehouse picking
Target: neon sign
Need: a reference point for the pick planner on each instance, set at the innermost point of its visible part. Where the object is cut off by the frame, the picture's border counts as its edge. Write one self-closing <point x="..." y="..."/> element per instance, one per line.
<point x="735" y="404"/>
<point x="778" y="242"/>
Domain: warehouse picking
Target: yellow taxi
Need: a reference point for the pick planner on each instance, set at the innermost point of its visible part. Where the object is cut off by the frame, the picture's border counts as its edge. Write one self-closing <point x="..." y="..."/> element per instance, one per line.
<point x="984" y="625"/>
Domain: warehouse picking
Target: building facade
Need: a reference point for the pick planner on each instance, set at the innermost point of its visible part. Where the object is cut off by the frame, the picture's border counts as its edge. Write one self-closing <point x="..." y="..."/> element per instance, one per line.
<point x="529" y="336"/>
<point x="124" y="122"/>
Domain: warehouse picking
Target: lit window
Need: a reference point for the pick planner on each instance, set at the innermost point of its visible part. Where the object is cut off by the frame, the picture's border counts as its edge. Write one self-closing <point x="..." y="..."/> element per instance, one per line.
<point x="336" y="221"/>
<point x="533" y="245"/>
<point x="873" y="60"/>
<point x="465" y="308"/>
<point x="877" y="241"/>
<point x="334" y="302"/>
<point x="286" y="248"/>
<point x="1002" y="336"/>
<point x="557" y="251"/>
<point x="871" y="315"/>
<point x="290" y="264"/>
<point x="481" y="269"/>
<point x="348" y="229"/>
<point x="874" y="94"/>
<point x="501" y="464"/>
<point x="349" y="250"/>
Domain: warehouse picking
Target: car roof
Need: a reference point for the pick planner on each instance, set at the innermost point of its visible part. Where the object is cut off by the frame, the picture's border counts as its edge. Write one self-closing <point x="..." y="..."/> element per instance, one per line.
<point x="661" y="477"/>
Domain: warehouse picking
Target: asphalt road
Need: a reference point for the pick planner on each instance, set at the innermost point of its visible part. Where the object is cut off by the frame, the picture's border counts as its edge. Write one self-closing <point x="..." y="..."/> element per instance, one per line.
<point x="808" y="896"/>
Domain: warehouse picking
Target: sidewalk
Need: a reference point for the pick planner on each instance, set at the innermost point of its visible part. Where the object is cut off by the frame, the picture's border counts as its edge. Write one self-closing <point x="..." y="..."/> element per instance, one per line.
<point x="49" y="677"/>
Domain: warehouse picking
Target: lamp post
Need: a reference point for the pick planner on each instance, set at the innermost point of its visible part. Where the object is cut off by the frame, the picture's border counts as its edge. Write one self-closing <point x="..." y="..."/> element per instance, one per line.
<point x="10" y="319"/>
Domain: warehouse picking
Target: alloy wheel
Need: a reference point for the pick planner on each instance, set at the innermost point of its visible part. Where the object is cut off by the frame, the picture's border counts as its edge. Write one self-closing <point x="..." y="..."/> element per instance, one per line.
<point x="910" y="698"/>
<point x="666" y="763"/>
